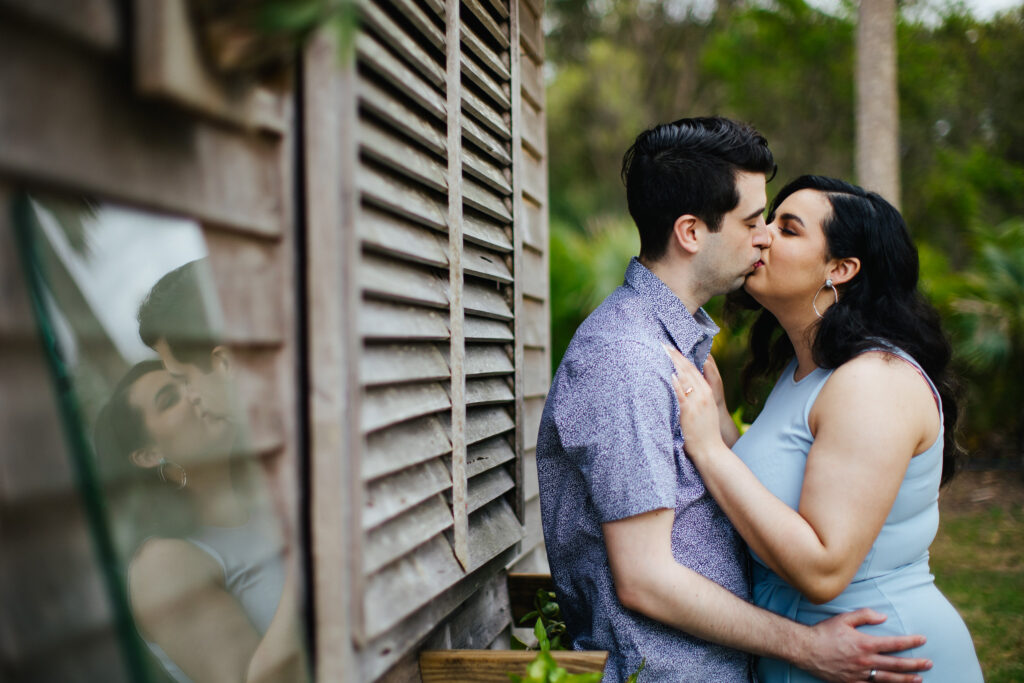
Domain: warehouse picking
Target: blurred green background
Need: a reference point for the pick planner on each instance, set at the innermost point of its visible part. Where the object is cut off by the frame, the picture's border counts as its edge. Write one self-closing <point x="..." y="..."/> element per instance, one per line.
<point x="617" y="67"/>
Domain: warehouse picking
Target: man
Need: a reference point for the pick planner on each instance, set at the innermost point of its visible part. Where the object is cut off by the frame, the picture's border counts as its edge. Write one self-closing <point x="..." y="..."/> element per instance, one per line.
<point x="645" y="563"/>
<point x="179" y="320"/>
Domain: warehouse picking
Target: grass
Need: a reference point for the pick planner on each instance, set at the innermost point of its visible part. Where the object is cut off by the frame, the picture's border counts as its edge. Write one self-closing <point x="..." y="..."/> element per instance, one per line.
<point x="978" y="562"/>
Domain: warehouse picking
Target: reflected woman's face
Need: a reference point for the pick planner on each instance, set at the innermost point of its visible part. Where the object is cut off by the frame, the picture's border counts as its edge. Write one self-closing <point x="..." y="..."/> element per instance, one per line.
<point x="176" y="427"/>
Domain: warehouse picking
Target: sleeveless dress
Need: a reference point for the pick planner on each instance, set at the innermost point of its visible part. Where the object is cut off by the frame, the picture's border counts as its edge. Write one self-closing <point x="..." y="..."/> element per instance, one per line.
<point x="894" y="578"/>
<point x="252" y="557"/>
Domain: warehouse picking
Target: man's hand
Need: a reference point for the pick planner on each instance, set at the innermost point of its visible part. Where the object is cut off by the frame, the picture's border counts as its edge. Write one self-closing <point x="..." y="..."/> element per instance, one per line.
<point x="841" y="653"/>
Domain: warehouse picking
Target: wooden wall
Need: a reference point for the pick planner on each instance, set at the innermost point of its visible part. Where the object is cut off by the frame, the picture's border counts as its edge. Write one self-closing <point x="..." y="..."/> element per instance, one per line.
<point x="408" y="359"/>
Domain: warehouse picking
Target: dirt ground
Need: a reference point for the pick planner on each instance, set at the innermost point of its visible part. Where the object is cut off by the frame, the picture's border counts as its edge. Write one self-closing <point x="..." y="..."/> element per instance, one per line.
<point x="973" y="491"/>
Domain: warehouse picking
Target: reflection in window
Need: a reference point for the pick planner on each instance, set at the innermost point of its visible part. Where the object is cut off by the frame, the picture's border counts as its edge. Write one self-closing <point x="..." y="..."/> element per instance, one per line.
<point x="127" y="304"/>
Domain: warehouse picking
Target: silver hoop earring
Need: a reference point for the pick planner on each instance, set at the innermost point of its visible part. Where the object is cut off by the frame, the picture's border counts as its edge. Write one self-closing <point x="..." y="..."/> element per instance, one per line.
<point x="179" y="482"/>
<point x="835" y="292"/>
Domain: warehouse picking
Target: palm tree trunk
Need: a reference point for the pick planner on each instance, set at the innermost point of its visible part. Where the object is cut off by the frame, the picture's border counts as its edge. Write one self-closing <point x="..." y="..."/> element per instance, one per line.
<point x="877" y="153"/>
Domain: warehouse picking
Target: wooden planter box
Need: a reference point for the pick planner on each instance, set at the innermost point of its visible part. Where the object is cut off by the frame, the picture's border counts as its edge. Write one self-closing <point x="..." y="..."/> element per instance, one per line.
<point x="494" y="666"/>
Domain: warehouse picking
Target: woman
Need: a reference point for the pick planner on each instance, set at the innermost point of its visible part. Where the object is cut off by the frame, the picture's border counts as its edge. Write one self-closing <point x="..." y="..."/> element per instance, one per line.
<point x="206" y="571"/>
<point x="835" y="485"/>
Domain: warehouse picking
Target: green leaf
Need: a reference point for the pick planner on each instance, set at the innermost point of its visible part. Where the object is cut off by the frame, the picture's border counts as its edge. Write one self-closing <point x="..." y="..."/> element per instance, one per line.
<point x="635" y="676"/>
<point x="542" y="635"/>
<point x="538" y="669"/>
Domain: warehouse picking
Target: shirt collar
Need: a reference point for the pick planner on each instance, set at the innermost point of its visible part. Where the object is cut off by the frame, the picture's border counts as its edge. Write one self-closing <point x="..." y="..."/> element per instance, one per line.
<point x="686" y="331"/>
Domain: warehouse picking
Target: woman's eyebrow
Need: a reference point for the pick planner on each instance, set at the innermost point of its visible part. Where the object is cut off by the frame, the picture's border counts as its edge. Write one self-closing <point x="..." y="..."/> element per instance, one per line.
<point x="792" y="217"/>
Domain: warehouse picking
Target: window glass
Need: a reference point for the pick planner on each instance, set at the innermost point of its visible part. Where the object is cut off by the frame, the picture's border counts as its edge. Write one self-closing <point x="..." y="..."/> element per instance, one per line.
<point x="187" y="537"/>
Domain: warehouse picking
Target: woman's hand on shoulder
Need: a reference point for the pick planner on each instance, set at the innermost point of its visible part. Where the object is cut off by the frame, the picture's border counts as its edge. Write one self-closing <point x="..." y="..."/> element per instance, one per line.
<point x="714" y="380"/>
<point x="730" y="432"/>
<point x="698" y="409"/>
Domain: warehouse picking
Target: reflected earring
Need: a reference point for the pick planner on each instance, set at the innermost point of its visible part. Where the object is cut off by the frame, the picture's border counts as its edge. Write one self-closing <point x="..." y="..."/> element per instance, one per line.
<point x="835" y="292"/>
<point x="179" y="481"/>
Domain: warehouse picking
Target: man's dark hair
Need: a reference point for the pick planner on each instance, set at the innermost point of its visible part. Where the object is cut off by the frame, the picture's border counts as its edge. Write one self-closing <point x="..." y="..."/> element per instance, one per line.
<point x="178" y="310"/>
<point x="689" y="167"/>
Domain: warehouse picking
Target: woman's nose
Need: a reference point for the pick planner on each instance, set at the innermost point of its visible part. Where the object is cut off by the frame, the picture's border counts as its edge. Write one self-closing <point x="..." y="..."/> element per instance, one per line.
<point x="191" y="395"/>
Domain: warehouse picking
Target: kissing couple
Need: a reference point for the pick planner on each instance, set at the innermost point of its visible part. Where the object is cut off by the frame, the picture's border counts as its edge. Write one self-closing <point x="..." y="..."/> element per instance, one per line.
<point x="799" y="550"/>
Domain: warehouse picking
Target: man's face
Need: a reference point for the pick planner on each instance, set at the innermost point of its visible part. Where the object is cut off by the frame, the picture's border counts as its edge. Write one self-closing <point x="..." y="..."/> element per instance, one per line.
<point x="731" y="254"/>
<point x="210" y="391"/>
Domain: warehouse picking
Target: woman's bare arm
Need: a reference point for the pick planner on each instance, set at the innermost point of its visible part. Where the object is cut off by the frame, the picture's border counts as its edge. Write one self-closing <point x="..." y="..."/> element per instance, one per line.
<point x="180" y="603"/>
<point x="871" y="417"/>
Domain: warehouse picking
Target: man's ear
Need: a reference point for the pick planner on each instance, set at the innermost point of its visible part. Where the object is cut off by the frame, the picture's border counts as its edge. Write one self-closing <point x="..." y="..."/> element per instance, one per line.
<point x="843" y="270"/>
<point x="221" y="360"/>
<point x="146" y="458"/>
<point x="686" y="233"/>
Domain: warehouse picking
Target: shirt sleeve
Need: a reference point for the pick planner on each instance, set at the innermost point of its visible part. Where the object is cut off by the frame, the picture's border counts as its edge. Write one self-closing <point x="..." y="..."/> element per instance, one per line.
<point x="616" y="423"/>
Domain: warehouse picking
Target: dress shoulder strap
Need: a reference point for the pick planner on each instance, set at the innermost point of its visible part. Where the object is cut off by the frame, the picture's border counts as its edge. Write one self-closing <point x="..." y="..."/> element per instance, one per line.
<point x="897" y="352"/>
<point x="211" y="551"/>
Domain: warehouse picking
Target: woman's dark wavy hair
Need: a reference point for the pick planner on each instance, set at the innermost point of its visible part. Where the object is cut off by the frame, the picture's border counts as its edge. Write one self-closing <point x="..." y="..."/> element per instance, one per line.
<point x="144" y="505"/>
<point x="881" y="302"/>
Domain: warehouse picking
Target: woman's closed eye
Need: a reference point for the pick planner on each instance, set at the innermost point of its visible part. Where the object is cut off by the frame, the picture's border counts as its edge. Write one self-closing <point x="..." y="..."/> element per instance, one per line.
<point x="168" y="396"/>
<point x="786" y="227"/>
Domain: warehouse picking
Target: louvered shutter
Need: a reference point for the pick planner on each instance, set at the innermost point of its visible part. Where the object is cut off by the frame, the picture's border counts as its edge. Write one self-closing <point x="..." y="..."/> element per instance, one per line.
<point x="535" y="311"/>
<point x="490" y="292"/>
<point x="403" y="223"/>
<point x="438" y="299"/>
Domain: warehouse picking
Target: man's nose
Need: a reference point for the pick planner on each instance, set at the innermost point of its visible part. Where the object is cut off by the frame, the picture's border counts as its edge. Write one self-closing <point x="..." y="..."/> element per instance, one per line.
<point x="762" y="235"/>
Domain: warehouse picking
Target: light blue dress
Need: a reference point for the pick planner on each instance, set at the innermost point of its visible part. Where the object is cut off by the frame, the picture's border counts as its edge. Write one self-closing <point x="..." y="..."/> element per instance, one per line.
<point x="894" y="578"/>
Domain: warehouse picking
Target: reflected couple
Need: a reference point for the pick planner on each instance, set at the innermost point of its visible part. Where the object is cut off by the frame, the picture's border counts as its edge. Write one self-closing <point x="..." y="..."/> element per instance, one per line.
<point x="208" y="581"/>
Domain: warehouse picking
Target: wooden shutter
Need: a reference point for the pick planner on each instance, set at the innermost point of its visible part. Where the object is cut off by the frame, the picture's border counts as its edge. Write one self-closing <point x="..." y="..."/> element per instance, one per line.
<point x="488" y="264"/>
<point x="535" y="314"/>
<point x="431" y="216"/>
<point x="404" y="315"/>
<point x="436" y="313"/>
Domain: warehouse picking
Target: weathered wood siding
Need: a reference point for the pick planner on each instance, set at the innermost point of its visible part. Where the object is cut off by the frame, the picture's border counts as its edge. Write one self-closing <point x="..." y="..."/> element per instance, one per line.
<point x="423" y="341"/>
<point x="73" y="123"/>
<point x="442" y="204"/>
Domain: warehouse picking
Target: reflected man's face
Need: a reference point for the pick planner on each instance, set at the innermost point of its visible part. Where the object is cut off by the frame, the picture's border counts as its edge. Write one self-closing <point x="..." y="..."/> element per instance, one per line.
<point x="209" y="391"/>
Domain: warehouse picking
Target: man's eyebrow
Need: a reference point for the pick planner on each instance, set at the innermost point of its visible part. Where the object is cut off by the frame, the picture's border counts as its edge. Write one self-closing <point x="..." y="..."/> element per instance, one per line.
<point x="792" y="217"/>
<point x="754" y="215"/>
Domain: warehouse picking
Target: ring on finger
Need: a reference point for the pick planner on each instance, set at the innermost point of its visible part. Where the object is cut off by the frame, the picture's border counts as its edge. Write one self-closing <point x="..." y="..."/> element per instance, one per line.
<point x="872" y="674"/>
<point x="689" y="390"/>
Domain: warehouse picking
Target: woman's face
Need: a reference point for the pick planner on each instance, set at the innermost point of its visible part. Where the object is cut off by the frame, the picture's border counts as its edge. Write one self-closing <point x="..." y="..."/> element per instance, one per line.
<point x="795" y="266"/>
<point x="177" y="427"/>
